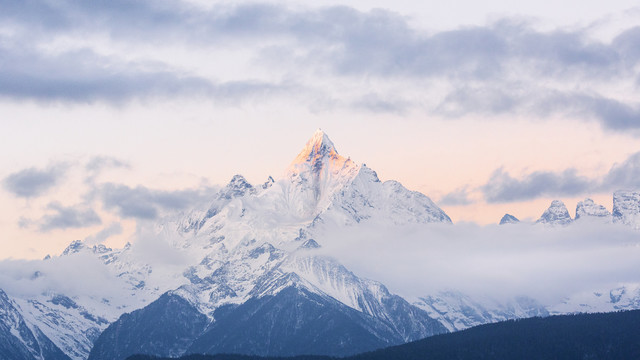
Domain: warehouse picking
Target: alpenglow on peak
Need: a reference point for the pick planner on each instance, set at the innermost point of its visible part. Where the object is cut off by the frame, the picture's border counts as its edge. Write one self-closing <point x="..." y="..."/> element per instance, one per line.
<point x="319" y="146"/>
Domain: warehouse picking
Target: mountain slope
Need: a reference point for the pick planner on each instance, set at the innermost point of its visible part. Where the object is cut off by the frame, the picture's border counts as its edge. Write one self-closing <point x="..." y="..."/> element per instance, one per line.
<point x="165" y="327"/>
<point x="20" y="341"/>
<point x="294" y="321"/>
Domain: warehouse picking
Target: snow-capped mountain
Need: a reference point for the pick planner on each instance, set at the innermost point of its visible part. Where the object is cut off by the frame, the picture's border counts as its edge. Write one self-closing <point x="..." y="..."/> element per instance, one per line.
<point x="252" y="242"/>
<point x="257" y="243"/>
<point x="588" y="208"/>
<point x="240" y="273"/>
<point x="508" y="219"/>
<point x="556" y="214"/>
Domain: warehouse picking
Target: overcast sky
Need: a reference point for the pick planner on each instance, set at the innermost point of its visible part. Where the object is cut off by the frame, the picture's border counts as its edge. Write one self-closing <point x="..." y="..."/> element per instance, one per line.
<point x="114" y="113"/>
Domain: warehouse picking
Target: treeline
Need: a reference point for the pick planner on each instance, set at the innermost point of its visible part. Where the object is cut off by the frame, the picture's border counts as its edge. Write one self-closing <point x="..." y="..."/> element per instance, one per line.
<point x="583" y="336"/>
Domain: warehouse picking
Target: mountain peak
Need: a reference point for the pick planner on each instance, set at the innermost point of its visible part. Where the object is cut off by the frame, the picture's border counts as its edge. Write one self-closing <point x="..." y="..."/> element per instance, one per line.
<point x="556" y="214"/>
<point x="318" y="147"/>
<point x="509" y="219"/>
<point x="237" y="187"/>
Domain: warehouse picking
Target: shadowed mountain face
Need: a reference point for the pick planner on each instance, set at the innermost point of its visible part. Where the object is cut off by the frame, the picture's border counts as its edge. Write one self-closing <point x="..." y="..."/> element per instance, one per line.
<point x="292" y="321"/>
<point x="164" y="328"/>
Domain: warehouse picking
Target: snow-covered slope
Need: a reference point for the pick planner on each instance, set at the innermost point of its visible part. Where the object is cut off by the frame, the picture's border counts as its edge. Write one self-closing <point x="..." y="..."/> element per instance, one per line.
<point x="21" y="340"/>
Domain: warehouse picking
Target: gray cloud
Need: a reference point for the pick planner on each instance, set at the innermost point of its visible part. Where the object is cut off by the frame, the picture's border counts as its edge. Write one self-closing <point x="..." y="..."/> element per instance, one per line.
<point x="65" y="217"/>
<point x="33" y="182"/>
<point x="379" y="105"/>
<point x="502" y="187"/>
<point x="500" y="59"/>
<point x="104" y="234"/>
<point x="625" y="175"/>
<point x="377" y="42"/>
<point x="457" y="197"/>
<point x="145" y="204"/>
<point x="514" y="98"/>
<point x="83" y="76"/>
<point x="98" y="163"/>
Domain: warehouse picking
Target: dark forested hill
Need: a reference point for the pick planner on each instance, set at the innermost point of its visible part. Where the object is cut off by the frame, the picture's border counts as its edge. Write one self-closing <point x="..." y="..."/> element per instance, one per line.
<point x="583" y="336"/>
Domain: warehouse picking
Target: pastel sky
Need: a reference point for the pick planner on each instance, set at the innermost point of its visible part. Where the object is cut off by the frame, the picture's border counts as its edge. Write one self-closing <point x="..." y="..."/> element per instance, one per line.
<point x="118" y="113"/>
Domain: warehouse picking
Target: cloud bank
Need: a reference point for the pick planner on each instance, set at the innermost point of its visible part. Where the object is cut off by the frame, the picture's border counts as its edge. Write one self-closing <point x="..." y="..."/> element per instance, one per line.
<point x="507" y="66"/>
<point x="496" y="261"/>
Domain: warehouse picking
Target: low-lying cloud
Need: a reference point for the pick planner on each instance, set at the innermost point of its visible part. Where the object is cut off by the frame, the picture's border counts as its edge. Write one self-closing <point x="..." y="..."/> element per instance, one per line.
<point x="544" y="263"/>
